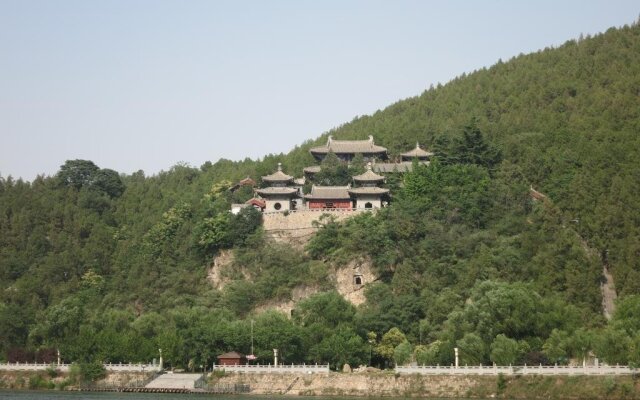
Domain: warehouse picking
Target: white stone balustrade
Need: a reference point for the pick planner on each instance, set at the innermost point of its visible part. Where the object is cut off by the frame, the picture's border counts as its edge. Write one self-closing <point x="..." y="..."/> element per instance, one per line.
<point x="518" y="370"/>
<point x="65" y="367"/>
<point x="280" y="368"/>
<point x="33" y="367"/>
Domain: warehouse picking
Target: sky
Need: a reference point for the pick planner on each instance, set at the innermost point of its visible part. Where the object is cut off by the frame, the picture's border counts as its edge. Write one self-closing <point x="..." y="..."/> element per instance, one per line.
<point x="142" y="85"/>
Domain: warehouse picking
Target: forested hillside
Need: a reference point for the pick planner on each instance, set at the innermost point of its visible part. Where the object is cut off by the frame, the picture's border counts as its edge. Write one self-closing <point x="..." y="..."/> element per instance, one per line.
<point x="112" y="267"/>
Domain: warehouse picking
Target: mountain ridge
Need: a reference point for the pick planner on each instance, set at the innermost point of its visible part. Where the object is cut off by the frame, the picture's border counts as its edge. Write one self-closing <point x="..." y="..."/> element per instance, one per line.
<point x="113" y="267"/>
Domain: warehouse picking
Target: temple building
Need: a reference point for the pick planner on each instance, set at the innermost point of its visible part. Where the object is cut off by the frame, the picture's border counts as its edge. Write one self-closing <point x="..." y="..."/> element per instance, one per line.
<point x="309" y="172"/>
<point x="418" y="152"/>
<point x="368" y="194"/>
<point x="256" y="203"/>
<point x="393" y="168"/>
<point x="346" y="150"/>
<point x="278" y="196"/>
<point x="328" y="197"/>
<point x="406" y="163"/>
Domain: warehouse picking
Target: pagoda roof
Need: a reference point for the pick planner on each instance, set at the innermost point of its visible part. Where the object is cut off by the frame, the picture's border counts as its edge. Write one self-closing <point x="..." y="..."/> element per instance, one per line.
<point x="349" y="147"/>
<point x="369" y="190"/>
<point x="418" y="152"/>
<point x="368" y="176"/>
<point x="277" y="176"/>
<point x="275" y="191"/>
<point x="314" y="169"/>
<point x="329" y="192"/>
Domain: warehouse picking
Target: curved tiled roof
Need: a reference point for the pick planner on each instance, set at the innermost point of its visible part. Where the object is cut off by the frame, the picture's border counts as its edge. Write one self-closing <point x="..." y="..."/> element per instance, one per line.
<point x="393" y="167"/>
<point x="329" y="192"/>
<point x="368" y="176"/>
<point x="418" y="152"/>
<point x="278" y="176"/>
<point x="349" y="147"/>
<point x="314" y="169"/>
<point x="256" y="202"/>
<point x="272" y="191"/>
<point x="369" y="190"/>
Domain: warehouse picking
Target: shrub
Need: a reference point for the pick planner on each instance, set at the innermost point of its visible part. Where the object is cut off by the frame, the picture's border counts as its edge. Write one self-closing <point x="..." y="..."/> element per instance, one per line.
<point x="92" y="371"/>
<point x="37" y="382"/>
<point x="52" y="372"/>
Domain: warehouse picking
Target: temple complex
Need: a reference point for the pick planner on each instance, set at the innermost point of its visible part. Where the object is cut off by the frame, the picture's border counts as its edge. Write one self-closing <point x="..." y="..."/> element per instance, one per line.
<point x="282" y="192"/>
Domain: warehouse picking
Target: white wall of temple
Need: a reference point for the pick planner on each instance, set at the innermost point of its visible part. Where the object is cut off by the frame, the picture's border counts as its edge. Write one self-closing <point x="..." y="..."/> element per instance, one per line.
<point x="364" y="201"/>
<point x="278" y="204"/>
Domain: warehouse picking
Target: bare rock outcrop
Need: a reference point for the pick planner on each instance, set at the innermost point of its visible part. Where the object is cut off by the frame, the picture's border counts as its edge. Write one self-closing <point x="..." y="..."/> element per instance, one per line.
<point x="352" y="278"/>
<point x="220" y="262"/>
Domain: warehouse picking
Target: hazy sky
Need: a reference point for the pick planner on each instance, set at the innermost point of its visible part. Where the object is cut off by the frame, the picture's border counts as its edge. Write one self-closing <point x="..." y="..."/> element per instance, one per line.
<point x="145" y="84"/>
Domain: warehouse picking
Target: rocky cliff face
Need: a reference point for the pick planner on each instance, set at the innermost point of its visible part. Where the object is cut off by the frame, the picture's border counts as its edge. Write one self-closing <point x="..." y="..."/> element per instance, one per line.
<point x="296" y="229"/>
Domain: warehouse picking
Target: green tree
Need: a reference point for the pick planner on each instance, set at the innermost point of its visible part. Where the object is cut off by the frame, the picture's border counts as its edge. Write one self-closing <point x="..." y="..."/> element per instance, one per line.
<point x="613" y="345"/>
<point x="504" y="351"/>
<point x="472" y="148"/>
<point x="555" y="347"/>
<point x="109" y="182"/>
<point x="213" y="233"/>
<point x="627" y="314"/>
<point x="77" y="173"/>
<point x="240" y="227"/>
<point x="389" y="342"/>
<point x="402" y="353"/>
<point x="428" y="355"/>
<point x="342" y="346"/>
<point x="580" y="343"/>
<point x="472" y="349"/>
<point x="333" y="172"/>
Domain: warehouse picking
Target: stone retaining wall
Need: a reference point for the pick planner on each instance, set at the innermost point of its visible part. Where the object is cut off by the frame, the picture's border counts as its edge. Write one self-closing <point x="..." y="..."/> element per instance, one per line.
<point x="297" y="226"/>
<point x="337" y="384"/>
<point x="385" y="384"/>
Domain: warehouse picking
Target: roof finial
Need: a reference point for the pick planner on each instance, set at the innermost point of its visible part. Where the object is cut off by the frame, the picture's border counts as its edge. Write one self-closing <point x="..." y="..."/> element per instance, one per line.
<point x="369" y="165"/>
<point x="279" y="166"/>
<point x="329" y="140"/>
<point x="371" y="138"/>
<point x="417" y="145"/>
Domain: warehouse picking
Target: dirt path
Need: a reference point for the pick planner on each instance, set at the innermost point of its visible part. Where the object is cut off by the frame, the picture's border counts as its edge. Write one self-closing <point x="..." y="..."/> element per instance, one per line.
<point x="609" y="295"/>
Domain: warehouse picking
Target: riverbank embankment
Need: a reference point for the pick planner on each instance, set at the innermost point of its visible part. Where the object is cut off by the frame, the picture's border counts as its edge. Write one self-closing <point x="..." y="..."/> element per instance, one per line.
<point x="388" y="384"/>
<point x="52" y="379"/>
<point x="379" y="384"/>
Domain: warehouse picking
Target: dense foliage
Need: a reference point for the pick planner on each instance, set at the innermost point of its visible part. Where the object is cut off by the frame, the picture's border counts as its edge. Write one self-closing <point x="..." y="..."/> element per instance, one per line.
<point x="109" y="267"/>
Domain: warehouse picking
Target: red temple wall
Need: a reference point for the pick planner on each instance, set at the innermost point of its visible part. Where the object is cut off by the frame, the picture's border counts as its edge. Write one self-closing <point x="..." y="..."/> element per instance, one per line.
<point x="319" y="204"/>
